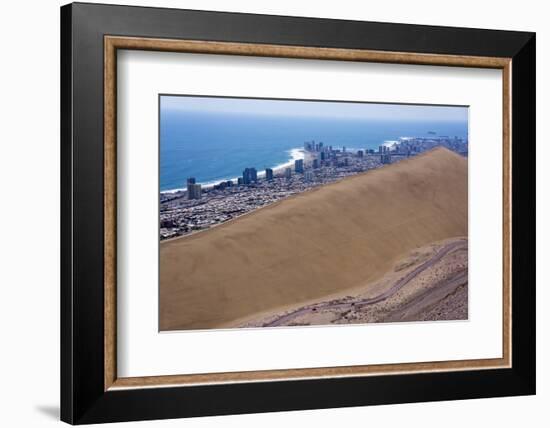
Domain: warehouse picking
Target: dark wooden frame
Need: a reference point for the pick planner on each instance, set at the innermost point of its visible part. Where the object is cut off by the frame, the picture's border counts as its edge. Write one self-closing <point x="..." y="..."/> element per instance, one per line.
<point x="90" y="34"/>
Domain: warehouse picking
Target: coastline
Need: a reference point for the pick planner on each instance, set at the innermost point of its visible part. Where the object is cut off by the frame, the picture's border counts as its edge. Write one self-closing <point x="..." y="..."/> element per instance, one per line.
<point x="295" y="154"/>
<point x="298" y="194"/>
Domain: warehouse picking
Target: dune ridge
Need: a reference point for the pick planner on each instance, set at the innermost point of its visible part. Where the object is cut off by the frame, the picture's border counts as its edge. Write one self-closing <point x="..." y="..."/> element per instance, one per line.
<point x="314" y="244"/>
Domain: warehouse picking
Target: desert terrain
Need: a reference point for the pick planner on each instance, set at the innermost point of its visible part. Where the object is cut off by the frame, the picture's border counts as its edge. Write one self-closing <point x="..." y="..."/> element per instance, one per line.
<point x="430" y="284"/>
<point x="357" y="239"/>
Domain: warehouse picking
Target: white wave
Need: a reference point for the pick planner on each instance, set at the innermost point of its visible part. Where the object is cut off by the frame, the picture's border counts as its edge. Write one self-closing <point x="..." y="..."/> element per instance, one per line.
<point x="294" y="154"/>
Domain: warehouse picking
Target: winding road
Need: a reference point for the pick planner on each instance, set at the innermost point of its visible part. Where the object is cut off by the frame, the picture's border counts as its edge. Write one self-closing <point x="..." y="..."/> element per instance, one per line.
<point x="282" y="320"/>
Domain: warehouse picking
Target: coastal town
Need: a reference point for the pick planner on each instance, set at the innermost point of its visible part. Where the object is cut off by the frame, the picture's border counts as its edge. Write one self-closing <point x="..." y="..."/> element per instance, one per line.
<point x="198" y="207"/>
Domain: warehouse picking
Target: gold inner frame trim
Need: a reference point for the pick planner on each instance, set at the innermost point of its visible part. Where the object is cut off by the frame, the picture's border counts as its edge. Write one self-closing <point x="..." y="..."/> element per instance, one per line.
<point x="113" y="43"/>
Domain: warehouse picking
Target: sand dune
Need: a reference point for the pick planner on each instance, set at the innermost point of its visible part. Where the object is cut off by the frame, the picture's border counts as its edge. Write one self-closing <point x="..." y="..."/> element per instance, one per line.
<point x="431" y="283"/>
<point x="314" y="244"/>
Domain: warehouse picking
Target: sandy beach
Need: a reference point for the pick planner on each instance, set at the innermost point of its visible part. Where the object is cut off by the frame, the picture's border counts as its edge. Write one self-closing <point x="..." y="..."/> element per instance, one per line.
<point x="338" y="237"/>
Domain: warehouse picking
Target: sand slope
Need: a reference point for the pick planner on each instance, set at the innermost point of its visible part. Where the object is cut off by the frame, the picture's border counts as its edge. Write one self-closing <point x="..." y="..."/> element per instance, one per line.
<point x="313" y="244"/>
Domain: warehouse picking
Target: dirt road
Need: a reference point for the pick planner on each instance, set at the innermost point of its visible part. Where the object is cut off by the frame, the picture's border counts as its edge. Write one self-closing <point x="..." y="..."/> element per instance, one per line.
<point x="369" y="301"/>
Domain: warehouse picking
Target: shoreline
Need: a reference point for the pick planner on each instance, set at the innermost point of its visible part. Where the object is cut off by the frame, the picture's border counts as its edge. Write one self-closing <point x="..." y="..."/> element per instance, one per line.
<point x="181" y="216"/>
<point x="295" y="154"/>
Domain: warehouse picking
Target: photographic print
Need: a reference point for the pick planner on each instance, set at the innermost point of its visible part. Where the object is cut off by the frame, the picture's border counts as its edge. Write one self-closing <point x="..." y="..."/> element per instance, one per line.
<point x="291" y="201"/>
<point x="282" y="212"/>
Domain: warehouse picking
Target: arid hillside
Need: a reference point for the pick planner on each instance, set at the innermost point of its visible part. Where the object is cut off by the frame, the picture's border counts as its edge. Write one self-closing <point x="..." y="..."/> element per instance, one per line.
<point x="312" y="245"/>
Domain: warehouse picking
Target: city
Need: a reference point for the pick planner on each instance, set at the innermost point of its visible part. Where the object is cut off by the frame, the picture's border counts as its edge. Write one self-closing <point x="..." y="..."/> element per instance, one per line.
<point x="198" y="208"/>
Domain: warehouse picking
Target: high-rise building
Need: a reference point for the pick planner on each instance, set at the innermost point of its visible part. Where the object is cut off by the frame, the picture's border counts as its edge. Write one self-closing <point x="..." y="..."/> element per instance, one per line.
<point x="299" y="165"/>
<point x="250" y="175"/>
<point x="246" y="176"/>
<point x="308" y="176"/>
<point x="268" y="174"/>
<point x="316" y="163"/>
<point x="360" y="153"/>
<point x="288" y="173"/>
<point x="194" y="191"/>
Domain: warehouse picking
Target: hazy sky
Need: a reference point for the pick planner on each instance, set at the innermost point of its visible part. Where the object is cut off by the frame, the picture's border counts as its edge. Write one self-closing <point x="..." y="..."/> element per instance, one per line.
<point x="314" y="108"/>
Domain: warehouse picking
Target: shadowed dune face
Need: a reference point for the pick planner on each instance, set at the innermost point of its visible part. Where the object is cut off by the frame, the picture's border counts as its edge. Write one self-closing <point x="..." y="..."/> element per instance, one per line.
<point x="314" y="244"/>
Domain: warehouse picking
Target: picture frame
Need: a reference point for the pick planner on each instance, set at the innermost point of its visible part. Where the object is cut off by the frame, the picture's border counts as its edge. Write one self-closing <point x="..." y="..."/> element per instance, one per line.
<point x="91" y="390"/>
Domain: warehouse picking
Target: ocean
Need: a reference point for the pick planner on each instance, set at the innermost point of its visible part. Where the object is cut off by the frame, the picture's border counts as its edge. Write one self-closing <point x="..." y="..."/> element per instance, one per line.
<point x="212" y="147"/>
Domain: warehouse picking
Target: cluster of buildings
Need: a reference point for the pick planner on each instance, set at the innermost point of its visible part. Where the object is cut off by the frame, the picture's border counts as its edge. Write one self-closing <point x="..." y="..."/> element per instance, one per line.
<point x="198" y="208"/>
<point x="327" y="155"/>
<point x="409" y="146"/>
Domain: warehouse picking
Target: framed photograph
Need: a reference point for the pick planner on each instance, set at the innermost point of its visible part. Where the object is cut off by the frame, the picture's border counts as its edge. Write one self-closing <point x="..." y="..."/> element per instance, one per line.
<point x="265" y="213"/>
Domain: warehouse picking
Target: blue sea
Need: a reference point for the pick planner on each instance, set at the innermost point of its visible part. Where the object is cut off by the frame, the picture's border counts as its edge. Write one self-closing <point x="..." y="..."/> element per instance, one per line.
<point x="215" y="146"/>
